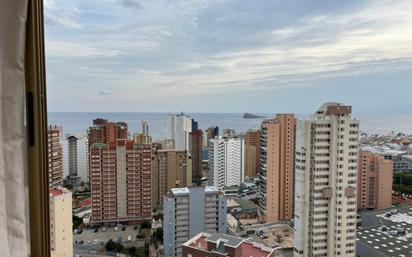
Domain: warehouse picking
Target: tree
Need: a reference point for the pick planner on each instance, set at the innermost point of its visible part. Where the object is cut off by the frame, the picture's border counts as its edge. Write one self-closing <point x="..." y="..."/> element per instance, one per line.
<point x="140" y="235"/>
<point x="197" y="179"/>
<point x="112" y="246"/>
<point x="146" y="225"/>
<point x="158" y="234"/>
<point x="76" y="222"/>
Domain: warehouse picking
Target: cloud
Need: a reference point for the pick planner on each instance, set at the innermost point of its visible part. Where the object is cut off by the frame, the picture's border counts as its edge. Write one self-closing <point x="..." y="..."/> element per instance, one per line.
<point x="131" y="3"/>
<point x="201" y="47"/>
<point x="103" y="93"/>
<point x="65" y="16"/>
<point x="67" y="49"/>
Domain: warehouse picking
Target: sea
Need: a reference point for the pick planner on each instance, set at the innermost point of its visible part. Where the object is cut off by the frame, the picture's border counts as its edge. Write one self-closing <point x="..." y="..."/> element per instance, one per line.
<point x="79" y="122"/>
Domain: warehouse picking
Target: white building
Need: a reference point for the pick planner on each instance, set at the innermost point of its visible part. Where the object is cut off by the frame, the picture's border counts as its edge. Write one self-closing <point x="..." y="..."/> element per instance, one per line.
<point x="76" y="157"/>
<point x="178" y="128"/>
<point x="325" y="183"/>
<point x="189" y="211"/>
<point x="61" y="230"/>
<point x="226" y="161"/>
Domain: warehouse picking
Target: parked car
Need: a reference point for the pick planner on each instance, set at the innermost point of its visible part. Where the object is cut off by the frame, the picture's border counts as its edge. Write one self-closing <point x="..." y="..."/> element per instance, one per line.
<point x="123" y="228"/>
<point x="104" y="229"/>
<point x="79" y="231"/>
<point x="115" y="229"/>
<point x="135" y="227"/>
<point x="96" y="241"/>
<point x="96" y="230"/>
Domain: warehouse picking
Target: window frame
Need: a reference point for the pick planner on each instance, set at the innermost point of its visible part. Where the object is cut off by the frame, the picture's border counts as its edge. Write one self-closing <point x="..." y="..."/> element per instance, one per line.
<point x="37" y="143"/>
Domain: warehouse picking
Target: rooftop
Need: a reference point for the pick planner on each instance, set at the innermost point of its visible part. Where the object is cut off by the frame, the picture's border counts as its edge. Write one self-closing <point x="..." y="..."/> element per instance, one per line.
<point x="228" y="240"/>
<point x="383" y="150"/>
<point x="186" y="190"/>
<point x="58" y="191"/>
<point x="388" y="231"/>
<point x="249" y="248"/>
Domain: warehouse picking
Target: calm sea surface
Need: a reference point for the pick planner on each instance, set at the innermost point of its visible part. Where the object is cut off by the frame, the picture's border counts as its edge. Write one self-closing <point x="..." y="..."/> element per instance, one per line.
<point x="79" y="122"/>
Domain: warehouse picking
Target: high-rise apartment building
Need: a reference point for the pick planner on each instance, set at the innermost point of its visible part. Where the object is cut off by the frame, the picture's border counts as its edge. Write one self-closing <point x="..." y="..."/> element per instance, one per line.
<point x="167" y="144"/>
<point x="277" y="163"/>
<point x="374" y="181"/>
<point x="145" y="128"/>
<point x="196" y="149"/>
<point x="178" y="128"/>
<point x="76" y="158"/>
<point x="211" y="132"/>
<point x="120" y="181"/>
<point x="144" y="137"/>
<point x="189" y="211"/>
<point x="228" y="132"/>
<point x="325" y="183"/>
<point x="104" y="131"/>
<point x="55" y="156"/>
<point x="170" y="169"/>
<point x="61" y="228"/>
<point x="252" y="153"/>
<point x="226" y="161"/>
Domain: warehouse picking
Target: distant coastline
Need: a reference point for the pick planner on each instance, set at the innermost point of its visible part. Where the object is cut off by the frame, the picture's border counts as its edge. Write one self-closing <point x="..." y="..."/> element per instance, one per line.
<point x="79" y="122"/>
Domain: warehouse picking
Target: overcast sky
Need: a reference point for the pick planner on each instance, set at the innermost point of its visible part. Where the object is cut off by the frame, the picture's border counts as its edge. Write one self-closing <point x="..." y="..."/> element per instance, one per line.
<point x="229" y="55"/>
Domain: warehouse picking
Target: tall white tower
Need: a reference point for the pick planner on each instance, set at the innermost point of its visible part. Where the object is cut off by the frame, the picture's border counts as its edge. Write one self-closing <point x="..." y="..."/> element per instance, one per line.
<point x="178" y="128"/>
<point x="226" y="161"/>
<point x="325" y="183"/>
<point x="76" y="157"/>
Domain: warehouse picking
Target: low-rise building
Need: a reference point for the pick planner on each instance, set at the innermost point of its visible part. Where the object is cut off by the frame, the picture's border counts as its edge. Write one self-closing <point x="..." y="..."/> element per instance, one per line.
<point x="204" y="245"/>
<point x="385" y="233"/>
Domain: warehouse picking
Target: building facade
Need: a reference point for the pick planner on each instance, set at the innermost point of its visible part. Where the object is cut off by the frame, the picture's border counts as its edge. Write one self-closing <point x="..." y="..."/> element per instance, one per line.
<point x="179" y="127"/>
<point x="120" y="181"/>
<point x="104" y="131"/>
<point x="144" y="137"/>
<point x="252" y="153"/>
<point x="170" y="169"/>
<point x="55" y="156"/>
<point x="277" y="168"/>
<point x="211" y="132"/>
<point x="190" y="211"/>
<point x="226" y="161"/>
<point x="325" y="183"/>
<point x="196" y="148"/>
<point x="76" y="157"/>
<point x="61" y="227"/>
<point x="374" y="181"/>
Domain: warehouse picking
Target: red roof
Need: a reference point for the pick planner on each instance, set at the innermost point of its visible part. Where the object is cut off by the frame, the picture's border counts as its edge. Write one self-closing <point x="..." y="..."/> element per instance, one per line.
<point x="249" y="249"/>
<point x="200" y="243"/>
<point x="85" y="203"/>
<point x="55" y="192"/>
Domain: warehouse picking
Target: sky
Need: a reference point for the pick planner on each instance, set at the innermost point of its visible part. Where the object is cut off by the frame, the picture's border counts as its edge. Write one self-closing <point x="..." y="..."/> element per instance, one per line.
<point x="264" y="56"/>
